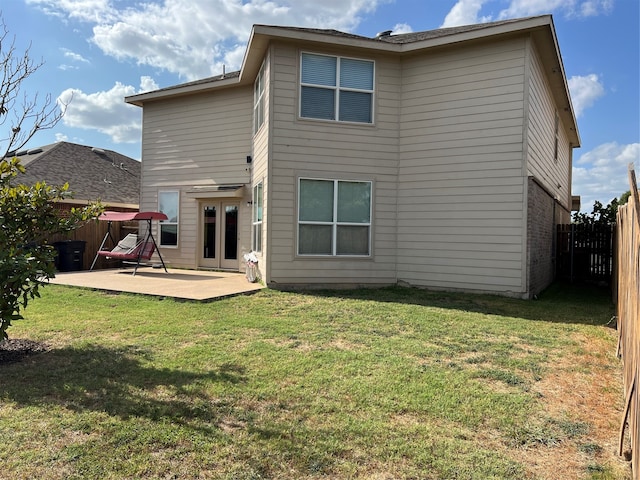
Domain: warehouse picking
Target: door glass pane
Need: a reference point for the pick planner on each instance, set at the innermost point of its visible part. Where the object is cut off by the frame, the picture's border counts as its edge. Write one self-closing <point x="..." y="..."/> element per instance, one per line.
<point x="231" y="232"/>
<point x="316" y="201"/>
<point x="209" y="240"/>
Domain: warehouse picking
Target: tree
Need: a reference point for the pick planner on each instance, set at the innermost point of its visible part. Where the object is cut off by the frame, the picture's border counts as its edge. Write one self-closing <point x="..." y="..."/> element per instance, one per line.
<point x="601" y="215"/>
<point x="28" y="216"/>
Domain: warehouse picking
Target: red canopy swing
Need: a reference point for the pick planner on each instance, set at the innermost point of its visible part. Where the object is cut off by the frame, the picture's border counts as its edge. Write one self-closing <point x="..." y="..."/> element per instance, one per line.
<point x="125" y="250"/>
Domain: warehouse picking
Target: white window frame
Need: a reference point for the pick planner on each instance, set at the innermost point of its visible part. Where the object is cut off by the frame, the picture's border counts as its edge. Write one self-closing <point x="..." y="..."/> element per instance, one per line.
<point x="170" y="222"/>
<point x="257" y="216"/>
<point x="259" y="100"/>
<point x="338" y="89"/>
<point x="335" y="223"/>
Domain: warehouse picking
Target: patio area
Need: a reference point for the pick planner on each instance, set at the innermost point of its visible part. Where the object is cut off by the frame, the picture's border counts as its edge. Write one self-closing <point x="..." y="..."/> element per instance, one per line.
<point x="182" y="284"/>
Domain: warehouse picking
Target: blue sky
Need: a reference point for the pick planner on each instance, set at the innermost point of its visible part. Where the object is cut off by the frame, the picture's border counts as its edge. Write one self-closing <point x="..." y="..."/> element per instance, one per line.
<point x="99" y="51"/>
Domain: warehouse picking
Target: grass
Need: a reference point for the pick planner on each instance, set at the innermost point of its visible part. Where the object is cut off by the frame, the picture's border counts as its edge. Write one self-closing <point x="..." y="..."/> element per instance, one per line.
<point x="391" y="383"/>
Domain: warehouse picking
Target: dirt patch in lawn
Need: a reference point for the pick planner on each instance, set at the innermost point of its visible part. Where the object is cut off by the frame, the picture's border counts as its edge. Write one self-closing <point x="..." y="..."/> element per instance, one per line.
<point x="16" y="349"/>
<point x="580" y="394"/>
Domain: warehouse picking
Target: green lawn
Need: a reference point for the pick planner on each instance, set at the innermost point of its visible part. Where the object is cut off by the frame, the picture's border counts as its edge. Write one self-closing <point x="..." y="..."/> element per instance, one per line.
<point x="395" y="383"/>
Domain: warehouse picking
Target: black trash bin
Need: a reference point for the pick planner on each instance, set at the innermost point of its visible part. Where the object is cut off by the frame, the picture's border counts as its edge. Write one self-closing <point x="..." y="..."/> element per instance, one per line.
<point x="70" y="253"/>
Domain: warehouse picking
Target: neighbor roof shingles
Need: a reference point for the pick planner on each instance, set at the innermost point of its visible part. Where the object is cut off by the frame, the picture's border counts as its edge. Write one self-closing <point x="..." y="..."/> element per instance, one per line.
<point x="92" y="174"/>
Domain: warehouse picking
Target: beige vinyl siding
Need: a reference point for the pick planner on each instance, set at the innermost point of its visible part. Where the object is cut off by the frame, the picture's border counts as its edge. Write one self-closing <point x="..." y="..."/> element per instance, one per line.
<point x="197" y="140"/>
<point x="461" y="184"/>
<point x="320" y="149"/>
<point x="554" y="175"/>
<point x="260" y="169"/>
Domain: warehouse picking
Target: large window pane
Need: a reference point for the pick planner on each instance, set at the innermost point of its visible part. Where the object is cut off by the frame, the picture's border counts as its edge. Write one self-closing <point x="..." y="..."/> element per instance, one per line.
<point x="355" y="106"/>
<point x="316" y="201"/>
<point x="319" y="69"/>
<point x="315" y="239"/>
<point x="318" y="103"/>
<point x="352" y="240"/>
<point x="354" y="202"/>
<point x="168" y="204"/>
<point x="356" y="74"/>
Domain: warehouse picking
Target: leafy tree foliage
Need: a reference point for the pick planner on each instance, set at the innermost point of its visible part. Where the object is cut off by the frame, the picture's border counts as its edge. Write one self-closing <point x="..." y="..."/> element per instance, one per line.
<point x="28" y="216"/>
<point x="601" y="215"/>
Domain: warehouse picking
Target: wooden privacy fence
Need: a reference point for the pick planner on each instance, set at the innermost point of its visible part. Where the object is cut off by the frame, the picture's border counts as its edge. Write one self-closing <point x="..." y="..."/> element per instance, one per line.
<point x="585" y="252"/>
<point x="627" y="288"/>
<point x="92" y="234"/>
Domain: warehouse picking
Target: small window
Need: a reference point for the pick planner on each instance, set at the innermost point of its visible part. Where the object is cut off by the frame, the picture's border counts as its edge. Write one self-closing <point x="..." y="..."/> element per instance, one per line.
<point x="256" y="243"/>
<point x="169" y="203"/>
<point x="336" y="88"/>
<point x="334" y="217"/>
<point x="258" y="101"/>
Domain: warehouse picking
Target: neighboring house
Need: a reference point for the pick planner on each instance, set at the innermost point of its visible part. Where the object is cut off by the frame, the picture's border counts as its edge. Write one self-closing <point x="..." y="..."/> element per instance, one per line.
<point x="438" y="159"/>
<point x="93" y="174"/>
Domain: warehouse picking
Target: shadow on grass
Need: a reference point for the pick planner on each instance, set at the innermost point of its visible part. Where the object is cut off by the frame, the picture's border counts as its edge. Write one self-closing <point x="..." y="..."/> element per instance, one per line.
<point x="560" y="303"/>
<point x="119" y="382"/>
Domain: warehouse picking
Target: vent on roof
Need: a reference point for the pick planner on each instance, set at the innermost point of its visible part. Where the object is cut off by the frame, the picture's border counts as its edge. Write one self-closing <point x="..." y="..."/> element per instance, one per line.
<point x="386" y="33"/>
<point x="99" y="151"/>
<point x="21" y="153"/>
<point x="34" y="151"/>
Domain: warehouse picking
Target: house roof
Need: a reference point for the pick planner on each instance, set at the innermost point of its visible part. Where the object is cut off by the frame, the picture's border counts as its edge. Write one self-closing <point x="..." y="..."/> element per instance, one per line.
<point x="541" y="29"/>
<point x="92" y="173"/>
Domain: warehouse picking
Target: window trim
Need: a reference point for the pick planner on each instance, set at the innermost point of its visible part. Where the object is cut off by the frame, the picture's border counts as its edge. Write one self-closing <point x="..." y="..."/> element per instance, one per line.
<point x="168" y="222"/>
<point x="256" y="223"/>
<point x="334" y="223"/>
<point x="337" y="89"/>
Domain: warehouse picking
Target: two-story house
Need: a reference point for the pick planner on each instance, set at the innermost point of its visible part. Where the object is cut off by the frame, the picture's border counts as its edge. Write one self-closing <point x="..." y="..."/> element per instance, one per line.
<point x="439" y="159"/>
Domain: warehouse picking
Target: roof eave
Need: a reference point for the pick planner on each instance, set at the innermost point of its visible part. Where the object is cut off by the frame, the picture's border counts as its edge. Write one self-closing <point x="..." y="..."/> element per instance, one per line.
<point x="187" y="89"/>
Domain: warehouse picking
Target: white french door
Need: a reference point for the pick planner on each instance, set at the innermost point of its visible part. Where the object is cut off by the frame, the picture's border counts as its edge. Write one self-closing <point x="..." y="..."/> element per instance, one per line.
<point x="219" y="234"/>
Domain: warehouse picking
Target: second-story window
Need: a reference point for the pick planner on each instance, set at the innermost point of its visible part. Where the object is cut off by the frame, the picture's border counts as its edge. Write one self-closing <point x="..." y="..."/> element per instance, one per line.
<point x="336" y="88"/>
<point x="258" y="101"/>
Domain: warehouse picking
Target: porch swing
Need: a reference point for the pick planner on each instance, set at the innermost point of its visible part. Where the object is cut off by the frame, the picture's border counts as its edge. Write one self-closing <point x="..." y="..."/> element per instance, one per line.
<point x="131" y="249"/>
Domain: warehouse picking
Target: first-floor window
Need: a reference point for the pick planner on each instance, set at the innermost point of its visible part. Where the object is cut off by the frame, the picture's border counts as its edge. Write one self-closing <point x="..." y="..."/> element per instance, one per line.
<point x="169" y="203"/>
<point x="334" y="217"/>
<point x="256" y="243"/>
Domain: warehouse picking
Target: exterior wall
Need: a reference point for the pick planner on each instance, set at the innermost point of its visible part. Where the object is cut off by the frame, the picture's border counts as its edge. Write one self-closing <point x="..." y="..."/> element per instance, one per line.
<point x="461" y="189"/>
<point x="549" y="191"/>
<point x="197" y="140"/>
<point x="321" y="149"/>
<point x="554" y="174"/>
<point x="541" y="227"/>
<point x="260" y="169"/>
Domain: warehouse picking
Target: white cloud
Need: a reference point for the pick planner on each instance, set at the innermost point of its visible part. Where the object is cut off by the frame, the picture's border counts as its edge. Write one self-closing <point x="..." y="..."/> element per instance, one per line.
<point x="73" y="56"/>
<point x="195" y="38"/>
<point x="585" y="90"/>
<point x="401" y="28"/>
<point x="569" y="8"/>
<point x="467" y="12"/>
<point x="602" y="173"/>
<point x="464" y="12"/>
<point x="106" y="111"/>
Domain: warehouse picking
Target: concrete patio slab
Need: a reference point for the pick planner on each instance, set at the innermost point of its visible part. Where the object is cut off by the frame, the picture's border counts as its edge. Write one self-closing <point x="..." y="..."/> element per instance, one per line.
<point x="183" y="284"/>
